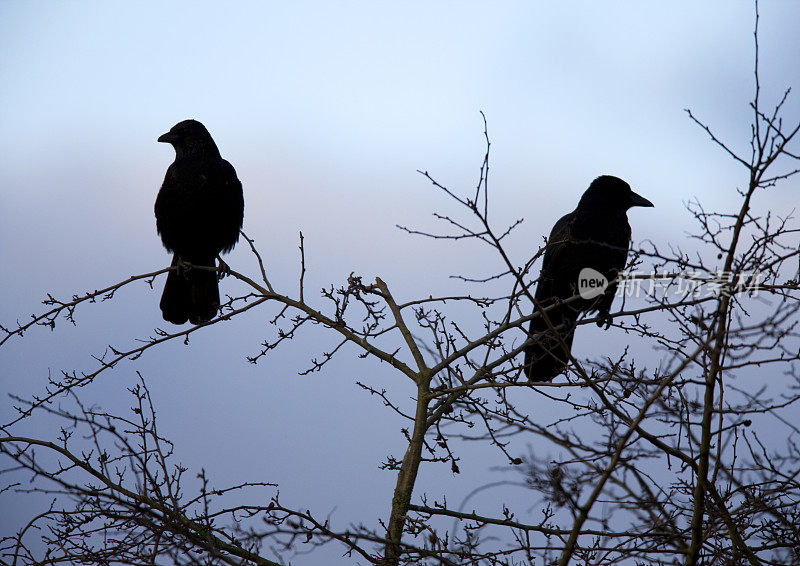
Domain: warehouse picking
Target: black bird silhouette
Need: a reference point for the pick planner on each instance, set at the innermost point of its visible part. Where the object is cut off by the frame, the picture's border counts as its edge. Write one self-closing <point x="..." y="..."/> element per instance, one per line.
<point x="595" y="235"/>
<point x="199" y="212"/>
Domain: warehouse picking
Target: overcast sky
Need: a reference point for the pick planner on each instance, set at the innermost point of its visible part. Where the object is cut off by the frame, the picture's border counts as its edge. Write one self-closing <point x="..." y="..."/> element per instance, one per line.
<point x="326" y="110"/>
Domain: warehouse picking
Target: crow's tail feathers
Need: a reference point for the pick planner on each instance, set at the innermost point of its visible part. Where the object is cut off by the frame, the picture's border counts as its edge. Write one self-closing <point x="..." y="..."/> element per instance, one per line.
<point x="191" y="294"/>
<point x="545" y="358"/>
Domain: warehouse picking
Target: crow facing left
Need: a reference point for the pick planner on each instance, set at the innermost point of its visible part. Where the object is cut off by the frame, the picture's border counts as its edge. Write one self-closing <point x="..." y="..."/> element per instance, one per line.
<point x="199" y="212"/>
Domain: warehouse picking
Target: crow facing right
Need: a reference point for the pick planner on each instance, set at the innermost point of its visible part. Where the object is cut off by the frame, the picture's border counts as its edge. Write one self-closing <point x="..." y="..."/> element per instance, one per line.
<point x="595" y="235"/>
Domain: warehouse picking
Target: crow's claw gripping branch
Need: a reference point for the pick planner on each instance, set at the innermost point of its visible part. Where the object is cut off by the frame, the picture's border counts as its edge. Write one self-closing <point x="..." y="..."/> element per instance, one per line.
<point x="223" y="269"/>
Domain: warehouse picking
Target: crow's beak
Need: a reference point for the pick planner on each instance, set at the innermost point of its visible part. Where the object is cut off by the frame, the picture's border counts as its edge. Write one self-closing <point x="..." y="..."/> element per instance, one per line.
<point x="639" y="200"/>
<point x="169" y="137"/>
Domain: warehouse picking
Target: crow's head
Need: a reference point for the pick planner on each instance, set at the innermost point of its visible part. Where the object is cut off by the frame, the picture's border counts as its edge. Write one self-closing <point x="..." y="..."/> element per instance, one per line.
<point x="190" y="137"/>
<point x="611" y="193"/>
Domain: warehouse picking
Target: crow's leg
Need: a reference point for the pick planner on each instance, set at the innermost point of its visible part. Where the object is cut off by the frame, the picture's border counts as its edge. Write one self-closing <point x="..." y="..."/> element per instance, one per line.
<point x="223" y="269"/>
<point x="182" y="267"/>
<point x="604" y="319"/>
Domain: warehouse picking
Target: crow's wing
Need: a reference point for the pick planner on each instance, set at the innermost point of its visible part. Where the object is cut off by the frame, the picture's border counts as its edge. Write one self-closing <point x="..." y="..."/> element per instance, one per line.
<point x="554" y="280"/>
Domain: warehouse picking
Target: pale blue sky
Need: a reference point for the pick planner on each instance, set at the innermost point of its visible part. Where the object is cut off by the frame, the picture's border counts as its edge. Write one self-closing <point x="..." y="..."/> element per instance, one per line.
<point x="326" y="109"/>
